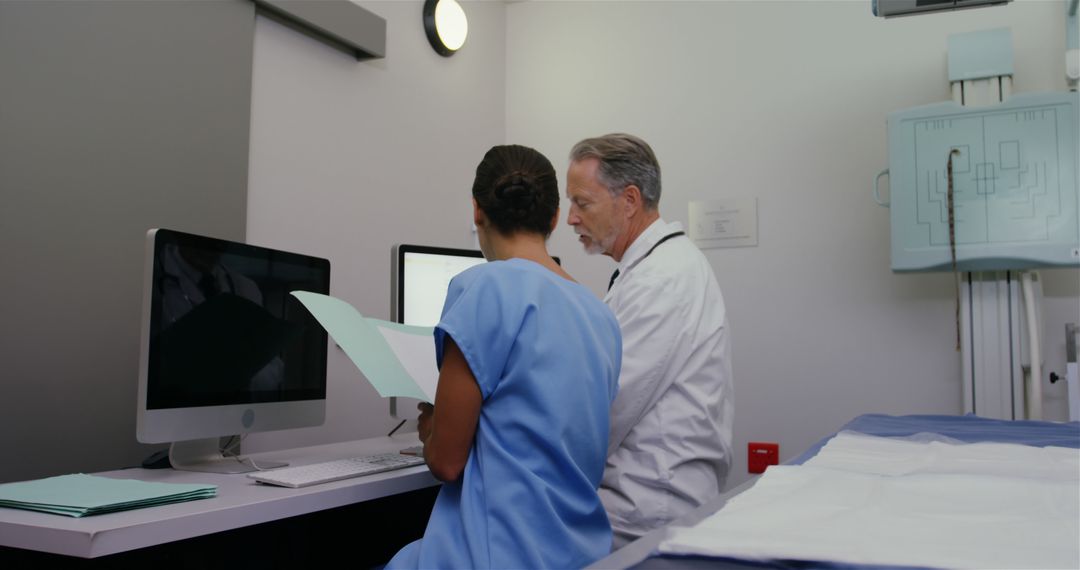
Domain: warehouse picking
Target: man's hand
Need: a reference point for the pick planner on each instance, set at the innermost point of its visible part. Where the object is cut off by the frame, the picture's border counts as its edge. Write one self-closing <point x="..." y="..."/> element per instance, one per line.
<point x="423" y="421"/>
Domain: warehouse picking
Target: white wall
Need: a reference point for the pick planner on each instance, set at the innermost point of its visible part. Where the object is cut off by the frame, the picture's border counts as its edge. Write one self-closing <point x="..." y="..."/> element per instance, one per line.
<point x="783" y="101"/>
<point x="786" y="102"/>
<point x="348" y="158"/>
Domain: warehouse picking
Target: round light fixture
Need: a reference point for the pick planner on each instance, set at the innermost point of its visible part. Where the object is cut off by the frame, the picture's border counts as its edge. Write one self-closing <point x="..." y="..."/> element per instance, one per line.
<point x="445" y="25"/>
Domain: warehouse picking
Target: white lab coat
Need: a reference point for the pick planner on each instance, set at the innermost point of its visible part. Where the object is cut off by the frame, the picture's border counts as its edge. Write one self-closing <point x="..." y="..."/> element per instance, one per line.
<point x="670" y="444"/>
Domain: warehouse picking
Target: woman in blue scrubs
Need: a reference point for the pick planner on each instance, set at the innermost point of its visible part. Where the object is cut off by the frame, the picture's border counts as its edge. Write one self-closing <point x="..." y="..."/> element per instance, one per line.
<point x="529" y="362"/>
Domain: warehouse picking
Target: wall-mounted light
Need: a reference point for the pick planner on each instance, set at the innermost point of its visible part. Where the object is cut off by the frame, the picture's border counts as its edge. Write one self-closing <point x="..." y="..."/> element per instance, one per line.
<point x="445" y="25"/>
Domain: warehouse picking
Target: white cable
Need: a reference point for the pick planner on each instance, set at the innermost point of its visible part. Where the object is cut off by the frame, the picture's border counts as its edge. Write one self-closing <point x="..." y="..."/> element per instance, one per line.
<point x="1034" y="386"/>
<point x="251" y="461"/>
<point x="236" y="441"/>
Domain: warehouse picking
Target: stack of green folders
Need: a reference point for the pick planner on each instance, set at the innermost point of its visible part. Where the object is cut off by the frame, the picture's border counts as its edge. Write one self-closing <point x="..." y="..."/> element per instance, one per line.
<point x="83" y="495"/>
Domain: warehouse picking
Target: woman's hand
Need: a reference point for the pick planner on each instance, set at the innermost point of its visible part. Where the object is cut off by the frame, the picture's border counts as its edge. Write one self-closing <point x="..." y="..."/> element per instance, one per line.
<point x="448" y="427"/>
<point x="423" y="421"/>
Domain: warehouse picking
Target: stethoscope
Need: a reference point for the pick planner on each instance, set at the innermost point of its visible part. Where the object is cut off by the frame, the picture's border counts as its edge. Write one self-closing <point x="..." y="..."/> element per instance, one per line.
<point x="615" y="275"/>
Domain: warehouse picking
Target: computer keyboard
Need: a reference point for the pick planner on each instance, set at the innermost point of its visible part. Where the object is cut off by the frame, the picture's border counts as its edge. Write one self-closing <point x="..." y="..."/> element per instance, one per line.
<point x="418" y="450"/>
<point x="315" y="473"/>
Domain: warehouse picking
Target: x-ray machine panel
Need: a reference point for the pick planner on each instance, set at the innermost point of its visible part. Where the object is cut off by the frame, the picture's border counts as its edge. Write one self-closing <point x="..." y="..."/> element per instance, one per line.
<point x="1014" y="185"/>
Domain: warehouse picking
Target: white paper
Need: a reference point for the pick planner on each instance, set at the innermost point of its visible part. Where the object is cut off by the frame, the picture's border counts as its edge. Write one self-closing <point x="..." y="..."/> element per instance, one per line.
<point x="391" y="371"/>
<point x="417" y="355"/>
<point x="727" y="222"/>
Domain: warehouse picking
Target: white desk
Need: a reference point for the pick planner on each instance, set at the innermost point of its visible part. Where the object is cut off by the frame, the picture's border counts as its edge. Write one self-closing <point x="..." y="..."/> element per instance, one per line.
<point x="239" y="502"/>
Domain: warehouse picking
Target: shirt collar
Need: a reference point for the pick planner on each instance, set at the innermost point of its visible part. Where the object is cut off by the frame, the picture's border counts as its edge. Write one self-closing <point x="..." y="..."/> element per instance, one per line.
<point x="644" y="242"/>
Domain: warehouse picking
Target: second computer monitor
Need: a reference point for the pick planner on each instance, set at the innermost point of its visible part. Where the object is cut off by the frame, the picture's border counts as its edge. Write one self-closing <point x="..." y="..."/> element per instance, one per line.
<point x="420" y="276"/>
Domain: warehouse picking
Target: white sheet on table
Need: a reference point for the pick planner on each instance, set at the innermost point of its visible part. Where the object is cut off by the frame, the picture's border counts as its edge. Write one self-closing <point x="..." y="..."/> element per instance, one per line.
<point x="855" y="503"/>
<point x="861" y="453"/>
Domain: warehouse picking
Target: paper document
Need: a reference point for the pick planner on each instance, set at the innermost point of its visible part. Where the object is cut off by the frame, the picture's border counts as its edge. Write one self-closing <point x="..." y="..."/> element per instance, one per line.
<point x="81" y="495"/>
<point x="398" y="360"/>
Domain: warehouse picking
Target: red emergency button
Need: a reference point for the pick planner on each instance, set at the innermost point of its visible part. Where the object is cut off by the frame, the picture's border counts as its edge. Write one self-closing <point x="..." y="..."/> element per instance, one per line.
<point x="761" y="455"/>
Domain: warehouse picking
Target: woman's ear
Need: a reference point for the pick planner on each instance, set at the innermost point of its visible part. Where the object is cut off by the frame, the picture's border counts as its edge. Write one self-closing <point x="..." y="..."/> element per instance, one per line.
<point x="554" y="222"/>
<point x="479" y="219"/>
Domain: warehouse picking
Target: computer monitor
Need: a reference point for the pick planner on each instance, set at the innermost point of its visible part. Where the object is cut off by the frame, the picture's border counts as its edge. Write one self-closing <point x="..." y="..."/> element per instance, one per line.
<point x="225" y="349"/>
<point x="420" y="276"/>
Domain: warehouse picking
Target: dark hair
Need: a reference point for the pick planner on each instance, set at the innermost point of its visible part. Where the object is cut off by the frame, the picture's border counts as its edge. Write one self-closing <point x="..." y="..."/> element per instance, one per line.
<point x="517" y="190"/>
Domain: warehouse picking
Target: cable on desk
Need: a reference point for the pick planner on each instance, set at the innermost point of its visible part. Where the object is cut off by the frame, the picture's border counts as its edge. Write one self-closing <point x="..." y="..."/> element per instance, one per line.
<point x="397" y="427"/>
<point x="229" y="451"/>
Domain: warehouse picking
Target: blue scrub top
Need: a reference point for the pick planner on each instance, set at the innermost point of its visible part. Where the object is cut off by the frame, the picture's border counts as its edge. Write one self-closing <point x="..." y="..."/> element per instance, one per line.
<point x="546" y="354"/>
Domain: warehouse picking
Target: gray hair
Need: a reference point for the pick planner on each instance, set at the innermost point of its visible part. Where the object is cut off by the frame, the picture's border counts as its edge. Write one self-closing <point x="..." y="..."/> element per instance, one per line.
<point x="624" y="160"/>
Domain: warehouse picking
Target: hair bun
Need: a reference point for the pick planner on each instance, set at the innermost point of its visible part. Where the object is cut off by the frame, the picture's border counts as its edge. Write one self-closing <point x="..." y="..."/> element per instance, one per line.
<point x="515" y="191"/>
<point x="516" y="188"/>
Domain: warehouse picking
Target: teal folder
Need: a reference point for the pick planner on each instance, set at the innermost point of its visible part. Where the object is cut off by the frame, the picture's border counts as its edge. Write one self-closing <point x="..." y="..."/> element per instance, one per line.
<point x="82" y="495"/>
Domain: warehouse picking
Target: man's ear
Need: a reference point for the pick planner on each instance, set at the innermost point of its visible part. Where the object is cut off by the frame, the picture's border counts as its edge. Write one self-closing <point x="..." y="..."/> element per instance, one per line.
<point x="634" y="201"/>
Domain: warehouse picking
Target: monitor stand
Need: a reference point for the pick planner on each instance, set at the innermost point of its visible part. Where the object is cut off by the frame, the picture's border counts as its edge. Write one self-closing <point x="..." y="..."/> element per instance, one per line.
<point x="205" y="455"/>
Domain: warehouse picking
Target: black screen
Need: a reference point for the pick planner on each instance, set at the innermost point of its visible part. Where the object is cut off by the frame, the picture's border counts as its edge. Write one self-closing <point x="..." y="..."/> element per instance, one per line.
<point x="224" y="329"/>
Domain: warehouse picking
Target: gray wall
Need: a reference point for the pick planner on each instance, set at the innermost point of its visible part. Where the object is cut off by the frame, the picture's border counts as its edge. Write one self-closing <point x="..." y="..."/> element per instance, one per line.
<point x="115" y="117"/>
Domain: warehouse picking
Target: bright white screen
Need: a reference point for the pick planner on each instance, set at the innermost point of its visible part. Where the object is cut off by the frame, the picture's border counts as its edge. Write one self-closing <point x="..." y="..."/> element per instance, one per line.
<point x="426" y="278"/>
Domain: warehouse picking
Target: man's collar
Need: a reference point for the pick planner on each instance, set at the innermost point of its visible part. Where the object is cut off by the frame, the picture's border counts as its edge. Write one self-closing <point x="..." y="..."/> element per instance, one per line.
<point x="644" y="242"/>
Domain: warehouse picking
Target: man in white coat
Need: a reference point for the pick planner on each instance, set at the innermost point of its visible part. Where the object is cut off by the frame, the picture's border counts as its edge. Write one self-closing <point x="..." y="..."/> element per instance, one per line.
<point x="670" y="444"/>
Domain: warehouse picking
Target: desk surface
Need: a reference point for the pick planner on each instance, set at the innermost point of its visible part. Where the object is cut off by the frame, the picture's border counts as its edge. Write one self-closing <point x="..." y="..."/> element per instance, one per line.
<point x="240" y="502"/>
